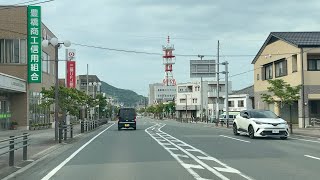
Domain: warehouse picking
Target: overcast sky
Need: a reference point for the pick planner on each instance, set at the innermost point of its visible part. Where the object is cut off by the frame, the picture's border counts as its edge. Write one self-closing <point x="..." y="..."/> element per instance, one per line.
<point x="193" y="25"/>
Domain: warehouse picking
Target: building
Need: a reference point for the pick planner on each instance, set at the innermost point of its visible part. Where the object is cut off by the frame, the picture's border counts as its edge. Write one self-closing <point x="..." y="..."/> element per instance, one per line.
<point x="94" y="86"/>
<point x="20" y="86"/>
<point x="188" y="100"/>
<point x="295" y="58"/>
<point x="160" y="93"/>
<point x="241" y="100"/>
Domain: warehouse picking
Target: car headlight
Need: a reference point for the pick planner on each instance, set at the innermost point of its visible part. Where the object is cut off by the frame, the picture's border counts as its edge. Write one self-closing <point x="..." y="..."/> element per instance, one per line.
<point x="257" y="122"/>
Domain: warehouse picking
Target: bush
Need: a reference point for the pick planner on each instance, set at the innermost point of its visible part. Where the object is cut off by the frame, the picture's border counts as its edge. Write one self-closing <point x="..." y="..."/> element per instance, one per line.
<point x="14" y="123"/>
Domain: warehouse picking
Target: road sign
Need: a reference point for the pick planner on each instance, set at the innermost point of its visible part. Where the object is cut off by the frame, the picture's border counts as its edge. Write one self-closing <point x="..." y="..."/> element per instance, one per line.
<point x="202" y="68"/>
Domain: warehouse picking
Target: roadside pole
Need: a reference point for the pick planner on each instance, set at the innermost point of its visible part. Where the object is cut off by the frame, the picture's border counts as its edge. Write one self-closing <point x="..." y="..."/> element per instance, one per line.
<point x="227" y="91"/>
<point x="218" y="98"/>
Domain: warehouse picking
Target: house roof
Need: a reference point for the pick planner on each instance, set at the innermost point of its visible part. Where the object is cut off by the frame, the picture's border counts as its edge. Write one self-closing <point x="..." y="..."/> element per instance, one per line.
<point x="297" y="39"/>
<point x="248" y="90"/>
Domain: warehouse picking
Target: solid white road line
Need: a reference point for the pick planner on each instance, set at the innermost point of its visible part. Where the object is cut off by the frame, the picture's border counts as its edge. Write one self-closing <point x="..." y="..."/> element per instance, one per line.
<point x="312" y="157"/>
<point x="56" y="169"/>
<point x="306" y="140"/>
<point x="215" y="172"/>
<point x="192" y="172"/>
<point x="235" y="138"/>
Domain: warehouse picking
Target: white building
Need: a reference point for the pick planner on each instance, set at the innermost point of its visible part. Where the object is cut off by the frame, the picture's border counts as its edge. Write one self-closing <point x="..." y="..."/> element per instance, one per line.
<point x="189" y="97"/>
<point x="159" y="93"/>
<point x="241" y="100"/>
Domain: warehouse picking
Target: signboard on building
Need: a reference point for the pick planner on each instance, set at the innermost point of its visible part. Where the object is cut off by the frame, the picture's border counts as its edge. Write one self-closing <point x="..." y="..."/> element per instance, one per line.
<point x="70" y="68"/>
<point x="71" y="74"/>
<point x="202" y="68"/>
<point x="34" y="44"/>
<point x="11" y="83"/>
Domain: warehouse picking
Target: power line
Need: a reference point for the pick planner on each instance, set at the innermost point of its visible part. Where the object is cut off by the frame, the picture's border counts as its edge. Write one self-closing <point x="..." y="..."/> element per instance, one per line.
<point x="260" y="67"/>
<point x="24" y="3"/>
<point x="157" y="54"/>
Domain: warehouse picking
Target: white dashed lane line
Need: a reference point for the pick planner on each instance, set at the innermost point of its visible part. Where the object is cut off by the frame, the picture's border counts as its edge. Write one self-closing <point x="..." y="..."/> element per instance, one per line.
<point x="235" y="139"/>
<point x="313" y="157"/>
<point x="193" y="159"/>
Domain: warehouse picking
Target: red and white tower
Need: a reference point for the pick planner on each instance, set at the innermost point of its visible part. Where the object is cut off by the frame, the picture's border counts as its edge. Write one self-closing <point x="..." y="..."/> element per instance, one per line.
<point x="168" y="61"/>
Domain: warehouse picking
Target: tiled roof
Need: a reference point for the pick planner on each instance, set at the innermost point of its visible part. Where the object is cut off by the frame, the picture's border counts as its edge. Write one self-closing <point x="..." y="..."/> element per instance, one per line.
<point x="300" y="39"/>
<point x="248" y="90"/>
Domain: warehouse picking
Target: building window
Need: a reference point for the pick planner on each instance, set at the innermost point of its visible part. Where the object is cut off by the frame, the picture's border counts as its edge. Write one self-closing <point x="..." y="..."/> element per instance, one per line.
<point x="268" y="71"/>
<point x="13" y="51"/>
<point x="313" y="62"/>
<point x="194" y="100"/>
<point x="241" y="103"/>
<point x="182" y="100"/>
<point x="294" y="63"/>
<point x="231" y="103"/>
<point x="258" y="77"/>
<point x="281" y="68"/>
<point x="45" y="62"/>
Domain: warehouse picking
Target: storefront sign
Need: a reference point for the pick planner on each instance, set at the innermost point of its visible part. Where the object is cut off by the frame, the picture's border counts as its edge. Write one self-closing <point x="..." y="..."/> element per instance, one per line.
<point x="5" y="115"/>
<point x="71" y="68"/>
<point x="34" y="44"/>
<point x="11" y="83"/>
<point x="71" y="74"/>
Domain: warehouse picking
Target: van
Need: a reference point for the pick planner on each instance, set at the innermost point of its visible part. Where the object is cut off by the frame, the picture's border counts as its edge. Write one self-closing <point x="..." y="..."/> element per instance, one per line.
<point x="232" y="116"/>
<point x="127" y="118"/>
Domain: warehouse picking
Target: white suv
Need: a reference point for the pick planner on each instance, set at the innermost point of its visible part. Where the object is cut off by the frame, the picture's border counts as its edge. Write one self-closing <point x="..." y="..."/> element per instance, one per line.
<point x="260" y="123"/>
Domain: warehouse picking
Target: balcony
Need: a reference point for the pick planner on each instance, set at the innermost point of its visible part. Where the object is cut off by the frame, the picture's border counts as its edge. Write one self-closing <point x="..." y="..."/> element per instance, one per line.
<point x="212" y="94"/>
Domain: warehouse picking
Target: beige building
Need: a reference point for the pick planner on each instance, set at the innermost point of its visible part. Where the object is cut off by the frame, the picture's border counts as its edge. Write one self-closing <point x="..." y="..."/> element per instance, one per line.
<point x="19" y="100"/>
<point x="295" y="58"/>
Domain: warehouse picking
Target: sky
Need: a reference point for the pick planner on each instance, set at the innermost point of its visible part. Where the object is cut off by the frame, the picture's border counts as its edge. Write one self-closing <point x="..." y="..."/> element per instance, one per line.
<point x="194" y="26"/>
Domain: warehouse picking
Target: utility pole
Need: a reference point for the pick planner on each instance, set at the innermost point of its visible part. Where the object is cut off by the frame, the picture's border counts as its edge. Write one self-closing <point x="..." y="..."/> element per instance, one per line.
<point x="186" y="107"/>
<point x="218" y="98"/>
<point x="201" y="91"/>
<point x="227" y="91"/>
<point x="87" y="108"/>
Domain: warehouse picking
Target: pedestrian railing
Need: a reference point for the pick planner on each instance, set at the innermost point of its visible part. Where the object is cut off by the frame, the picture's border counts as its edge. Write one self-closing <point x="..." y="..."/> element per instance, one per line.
<point x="14" y="143"/>
<point x="315" y="122"/>
<point x="92" y="124"/>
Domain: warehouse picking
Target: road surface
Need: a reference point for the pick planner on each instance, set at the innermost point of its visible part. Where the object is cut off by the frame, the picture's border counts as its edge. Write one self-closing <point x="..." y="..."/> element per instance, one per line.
<point x="160" y="150"/>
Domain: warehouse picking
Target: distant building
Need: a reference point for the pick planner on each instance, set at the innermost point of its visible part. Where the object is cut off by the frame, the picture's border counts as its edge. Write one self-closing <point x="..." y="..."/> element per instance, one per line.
<point x="93" y="87"/>
<point x="160" y="93"/>
<point x="241" y="100"/>
<point x="188" y="99"/>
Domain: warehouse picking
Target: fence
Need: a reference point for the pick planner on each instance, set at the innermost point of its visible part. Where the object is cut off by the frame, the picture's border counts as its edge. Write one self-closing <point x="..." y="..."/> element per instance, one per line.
<point x="13" y="141"/>
<point x="91" y="125"/>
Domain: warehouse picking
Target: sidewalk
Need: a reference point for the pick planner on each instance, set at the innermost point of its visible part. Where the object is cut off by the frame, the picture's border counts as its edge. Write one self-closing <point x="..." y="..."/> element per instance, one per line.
<point x="40" y="141"/>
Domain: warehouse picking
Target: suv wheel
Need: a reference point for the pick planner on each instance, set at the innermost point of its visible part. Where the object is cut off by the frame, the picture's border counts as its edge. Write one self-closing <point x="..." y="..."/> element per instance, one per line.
<point x="284" y="137"/>
<point x="119" y="128"/>
<point x="251" y="132"/>
<point x="235" y="129"/>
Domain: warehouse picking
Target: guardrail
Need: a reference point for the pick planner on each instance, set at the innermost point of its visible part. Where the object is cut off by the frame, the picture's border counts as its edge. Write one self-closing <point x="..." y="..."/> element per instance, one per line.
<point x="63" y="132"/>
<point x="13" y="140"/>
<point x="315" y="122"/>
<point x="92" y="124"/>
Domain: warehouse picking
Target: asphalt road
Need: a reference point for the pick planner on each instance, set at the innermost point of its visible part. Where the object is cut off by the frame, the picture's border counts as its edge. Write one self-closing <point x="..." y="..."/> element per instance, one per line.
<point x="160" y="150"/>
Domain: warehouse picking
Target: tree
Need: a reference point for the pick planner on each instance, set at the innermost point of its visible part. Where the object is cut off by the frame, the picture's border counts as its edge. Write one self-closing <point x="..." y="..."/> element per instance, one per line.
<point x="102" y="102"/>
<point x="281" y="93"/>
<point x="70" y="100"/>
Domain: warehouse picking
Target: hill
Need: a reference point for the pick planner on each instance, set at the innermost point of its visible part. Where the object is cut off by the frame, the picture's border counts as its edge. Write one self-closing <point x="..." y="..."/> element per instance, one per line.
<point x="127" y="97"/>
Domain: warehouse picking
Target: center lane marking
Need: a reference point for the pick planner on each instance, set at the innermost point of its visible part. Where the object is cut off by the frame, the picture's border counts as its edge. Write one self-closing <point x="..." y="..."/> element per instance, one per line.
<point x="235" y="138"/>
<point x="158" y="134"/>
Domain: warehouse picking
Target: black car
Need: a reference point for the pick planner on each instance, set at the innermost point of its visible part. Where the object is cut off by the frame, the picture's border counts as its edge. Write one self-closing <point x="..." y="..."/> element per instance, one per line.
<point x="127" y="118"/>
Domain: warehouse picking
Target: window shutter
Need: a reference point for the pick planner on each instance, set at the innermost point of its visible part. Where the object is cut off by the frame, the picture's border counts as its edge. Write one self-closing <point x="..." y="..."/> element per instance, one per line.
<point x="263" y="73"/>
<point x="285" y="67"/>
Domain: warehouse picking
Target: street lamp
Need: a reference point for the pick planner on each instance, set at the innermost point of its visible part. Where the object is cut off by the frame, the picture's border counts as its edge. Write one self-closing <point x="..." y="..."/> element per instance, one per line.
<point x="56" y="44"/>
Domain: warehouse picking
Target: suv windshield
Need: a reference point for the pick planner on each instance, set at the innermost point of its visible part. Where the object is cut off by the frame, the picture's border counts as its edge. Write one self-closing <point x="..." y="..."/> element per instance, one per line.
<point x="263" y="114"/>
<point x="127" y="114"/>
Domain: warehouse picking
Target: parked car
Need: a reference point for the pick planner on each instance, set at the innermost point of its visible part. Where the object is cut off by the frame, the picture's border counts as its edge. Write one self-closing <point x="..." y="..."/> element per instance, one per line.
<point x="260" y="123"/>
<point x="127" y="118"/>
